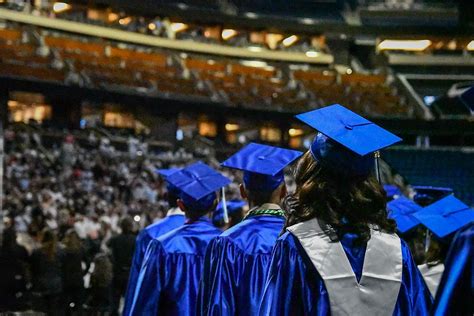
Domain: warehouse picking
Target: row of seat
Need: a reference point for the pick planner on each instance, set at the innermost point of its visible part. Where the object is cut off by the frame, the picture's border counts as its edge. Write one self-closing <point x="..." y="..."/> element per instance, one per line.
<point x="261" y="86"/>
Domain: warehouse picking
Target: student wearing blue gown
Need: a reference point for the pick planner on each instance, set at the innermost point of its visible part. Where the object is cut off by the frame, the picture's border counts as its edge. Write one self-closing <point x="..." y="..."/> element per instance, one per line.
<point x="443" y="219"/>
<point x="174" y="219"/>
<point x="340" y="254"/>
<point x="455" y="295"/>
<point x="172" y="267"/>
<point x="236" y="262"/>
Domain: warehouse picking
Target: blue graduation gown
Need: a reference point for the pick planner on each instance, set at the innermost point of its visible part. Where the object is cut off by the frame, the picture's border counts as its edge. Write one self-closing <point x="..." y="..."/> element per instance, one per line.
<point x="455" y="294"/>
<point x="171" y="271"/>
<point x="294" y="287"/>
<point x="236" y="266"/>
<point x="149" y="233"/>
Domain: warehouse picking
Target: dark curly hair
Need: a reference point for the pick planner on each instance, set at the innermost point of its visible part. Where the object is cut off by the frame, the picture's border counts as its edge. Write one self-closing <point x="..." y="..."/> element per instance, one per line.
<point x="343" y="204"/>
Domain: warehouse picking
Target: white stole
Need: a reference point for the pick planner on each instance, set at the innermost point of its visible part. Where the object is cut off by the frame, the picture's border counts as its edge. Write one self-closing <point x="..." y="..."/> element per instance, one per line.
<point x="377" y="291"/>
<point x="432" y="276"/>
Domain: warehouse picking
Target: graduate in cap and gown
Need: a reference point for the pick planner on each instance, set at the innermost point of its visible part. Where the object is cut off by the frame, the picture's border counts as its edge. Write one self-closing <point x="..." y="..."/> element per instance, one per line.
<point x="236" y="262"/>
<point x="174" y="219"/>
<point x="455" y="295"/>
<point x="340" y="254"/>
<point x="443" y="219"/>
<point x="172" y="267"/>
<point x="230" y="215"/>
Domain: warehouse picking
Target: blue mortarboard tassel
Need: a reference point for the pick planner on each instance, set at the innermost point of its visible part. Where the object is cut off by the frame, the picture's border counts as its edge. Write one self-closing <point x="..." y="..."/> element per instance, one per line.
<point x="445" y="216"/>
<point x="401" y="210"/>
<point x="262" y="165"/>
<point x="346" y="141"/>
<point x="198" y="184"/>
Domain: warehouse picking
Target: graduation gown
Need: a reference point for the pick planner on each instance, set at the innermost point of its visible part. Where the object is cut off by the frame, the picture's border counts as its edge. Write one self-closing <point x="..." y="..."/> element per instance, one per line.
<point x="455" y="294"/>
<point x="174" y="219"/>
<point x="172" y="269"/>
<point x="295" y="287"/>
<point x="236" y="264"/>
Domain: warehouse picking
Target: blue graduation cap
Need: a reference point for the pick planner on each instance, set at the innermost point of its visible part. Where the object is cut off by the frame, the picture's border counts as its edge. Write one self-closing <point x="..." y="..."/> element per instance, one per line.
<point x="233" y="206"/>
<point x="392" y="191"/>
<point x="346" y="140"/>
<point x="167" y="172"/>
<point x="445" y="216"/>
<point x="262" y="165"/>
<point x="425" y="195"/>
<point x="401" y="210"/>
<point x="198" y="184"/>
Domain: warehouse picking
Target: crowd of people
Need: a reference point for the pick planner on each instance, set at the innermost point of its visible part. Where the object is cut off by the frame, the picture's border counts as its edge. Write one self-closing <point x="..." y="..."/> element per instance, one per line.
<point x="322" y="241"/>
<point x="71" y="212"/>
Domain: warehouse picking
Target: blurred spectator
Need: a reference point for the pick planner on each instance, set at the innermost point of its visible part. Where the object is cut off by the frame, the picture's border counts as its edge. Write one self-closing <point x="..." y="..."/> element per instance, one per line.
<point x="99" y="300"/>
<point x="73" y="260"/>
<point x="13" y="264"/>
<point x="47" y="274"/>
<point x="122" y="247"/>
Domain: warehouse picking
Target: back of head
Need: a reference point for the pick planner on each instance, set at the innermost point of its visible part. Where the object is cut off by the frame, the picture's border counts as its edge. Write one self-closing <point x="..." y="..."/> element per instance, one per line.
<point x="49" y="243"/>
<point x="72" y="240"/>
<point x="126" y="225"/>
<point x="347" y="204"/>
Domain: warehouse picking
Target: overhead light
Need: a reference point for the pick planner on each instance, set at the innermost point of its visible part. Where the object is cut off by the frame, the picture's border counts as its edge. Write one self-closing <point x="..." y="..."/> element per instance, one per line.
<point x="312" y="54"/>
<point x="293" y="132"/>
<point x="254" y="63"/>
<point x="152" y="26"/>
<point x="273" y="39"/>
<point x="307" y="21"/>
<point x="254" y="49"/>
<point x="251" y="15"/>
<point x="228" y="33"/>
<point x="178" y="27"/>
<point x="112" y="17"/>
<point x="136" y="218"/>
<point x="290" y="40"/>
<point x="470" y="46"/>
<point x="407" y="45"/>
<point x="59" y="7"/>
<point x="232" y="127"/>
<point x="125" y="21"/>
<point x="182" y="6"/>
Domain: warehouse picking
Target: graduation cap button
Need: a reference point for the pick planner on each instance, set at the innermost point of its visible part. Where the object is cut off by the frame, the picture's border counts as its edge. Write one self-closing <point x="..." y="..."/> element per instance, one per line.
<point x="261" y="157"/>
<point x="349" y="127"/>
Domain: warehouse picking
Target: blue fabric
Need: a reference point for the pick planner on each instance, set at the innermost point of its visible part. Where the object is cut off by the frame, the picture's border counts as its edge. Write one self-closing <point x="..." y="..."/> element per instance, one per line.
<point x="446" y="216"/>
<point x="455" y="294"/>
<point x="262" y="165"/>
<point x="401" y="210"/>
<point x="167" y="172"/>
<point x="392" y="191"/>
<point x="172" y="269"/>
<point x="294" y="287"/>
<point x="236" y="265"/>
<point x="149" y="233"/>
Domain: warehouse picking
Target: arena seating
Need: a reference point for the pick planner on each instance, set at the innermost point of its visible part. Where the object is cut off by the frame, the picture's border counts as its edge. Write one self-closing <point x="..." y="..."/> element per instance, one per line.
<point x="273" y="87"/>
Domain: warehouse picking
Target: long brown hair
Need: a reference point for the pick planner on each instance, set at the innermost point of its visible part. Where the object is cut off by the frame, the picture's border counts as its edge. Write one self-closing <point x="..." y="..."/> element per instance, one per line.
<point x="345" y="204"/>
